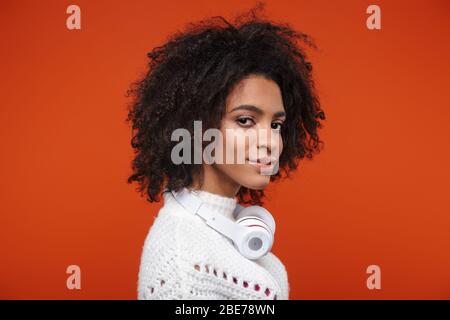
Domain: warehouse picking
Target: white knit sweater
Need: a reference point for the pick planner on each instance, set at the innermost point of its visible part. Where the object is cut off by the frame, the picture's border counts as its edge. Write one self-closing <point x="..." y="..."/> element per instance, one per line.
<point x="184" y="258"/>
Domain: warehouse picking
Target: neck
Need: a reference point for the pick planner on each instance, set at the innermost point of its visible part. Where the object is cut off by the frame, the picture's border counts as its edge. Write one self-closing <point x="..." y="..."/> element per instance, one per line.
<point x="214" y="181"/>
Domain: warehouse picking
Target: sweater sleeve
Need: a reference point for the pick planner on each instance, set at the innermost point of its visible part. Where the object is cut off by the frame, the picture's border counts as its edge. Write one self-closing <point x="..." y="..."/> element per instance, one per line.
<point x="160" y="270"/>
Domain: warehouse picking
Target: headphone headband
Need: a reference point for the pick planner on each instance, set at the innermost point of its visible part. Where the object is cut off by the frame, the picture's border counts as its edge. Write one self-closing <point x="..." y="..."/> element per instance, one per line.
<point x="195" y="205"/>
<point x="253" y="232"/>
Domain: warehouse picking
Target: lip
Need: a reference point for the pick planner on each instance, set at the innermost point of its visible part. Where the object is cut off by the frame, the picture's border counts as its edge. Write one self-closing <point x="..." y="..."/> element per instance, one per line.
<point x="265" y="162"/>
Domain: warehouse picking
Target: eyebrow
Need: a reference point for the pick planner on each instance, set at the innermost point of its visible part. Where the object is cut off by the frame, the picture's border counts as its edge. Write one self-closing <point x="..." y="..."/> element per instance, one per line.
<point x="257" y="110"/>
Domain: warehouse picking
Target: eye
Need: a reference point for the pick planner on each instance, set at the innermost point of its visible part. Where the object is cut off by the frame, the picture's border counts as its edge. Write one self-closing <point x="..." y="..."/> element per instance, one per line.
<point x="245" y="121"/>
<point x="277" y="125"/>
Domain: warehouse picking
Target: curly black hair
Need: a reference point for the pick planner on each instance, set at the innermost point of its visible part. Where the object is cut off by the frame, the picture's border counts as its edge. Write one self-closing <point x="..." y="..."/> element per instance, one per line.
<point x="189" y="78"/>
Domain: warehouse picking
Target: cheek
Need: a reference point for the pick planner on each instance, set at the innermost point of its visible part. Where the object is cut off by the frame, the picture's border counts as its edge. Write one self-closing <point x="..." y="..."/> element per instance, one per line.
<point x="280" y="145"/>
<point x="277" y="146"/>
<point x="235" y="145"/>
<point x="240" y="144"/>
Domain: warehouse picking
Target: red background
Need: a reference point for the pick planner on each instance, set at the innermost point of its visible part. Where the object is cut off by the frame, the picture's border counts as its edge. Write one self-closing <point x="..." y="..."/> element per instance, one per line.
<point x="377" y="193"/>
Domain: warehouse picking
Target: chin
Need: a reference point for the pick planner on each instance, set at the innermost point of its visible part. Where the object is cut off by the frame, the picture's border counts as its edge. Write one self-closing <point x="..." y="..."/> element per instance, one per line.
<point x="256" y="182"/>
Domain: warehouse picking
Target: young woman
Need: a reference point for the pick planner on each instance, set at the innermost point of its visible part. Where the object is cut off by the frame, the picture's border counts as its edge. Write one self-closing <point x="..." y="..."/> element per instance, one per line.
<point x="247" y="75"/>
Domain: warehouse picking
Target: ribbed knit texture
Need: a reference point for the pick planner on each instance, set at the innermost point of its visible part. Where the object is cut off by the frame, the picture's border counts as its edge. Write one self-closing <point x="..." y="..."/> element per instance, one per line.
<point x="184" y="258"/>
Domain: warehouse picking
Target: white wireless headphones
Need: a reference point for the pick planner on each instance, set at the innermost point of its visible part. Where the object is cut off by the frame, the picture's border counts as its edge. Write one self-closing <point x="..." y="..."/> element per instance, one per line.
<point x="252" y="233"/>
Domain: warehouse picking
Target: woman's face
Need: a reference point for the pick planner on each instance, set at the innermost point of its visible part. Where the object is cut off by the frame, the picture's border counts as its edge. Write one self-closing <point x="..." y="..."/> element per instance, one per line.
<point x="251" y="125"/>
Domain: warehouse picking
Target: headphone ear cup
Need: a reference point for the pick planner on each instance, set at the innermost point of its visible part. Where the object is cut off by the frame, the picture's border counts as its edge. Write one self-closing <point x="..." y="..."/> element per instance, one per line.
<point x="259" y="212"/>
<point x="256" y="239"/>
<point x="252" y="221"/>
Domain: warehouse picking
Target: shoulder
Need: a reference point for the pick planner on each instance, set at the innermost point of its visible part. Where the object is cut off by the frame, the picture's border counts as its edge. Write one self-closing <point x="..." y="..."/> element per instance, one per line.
<point x="183" y="258"/>
<point x="212" y="259"/>
<point x="160" y="262"/>
<point x="174" y="246"/>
